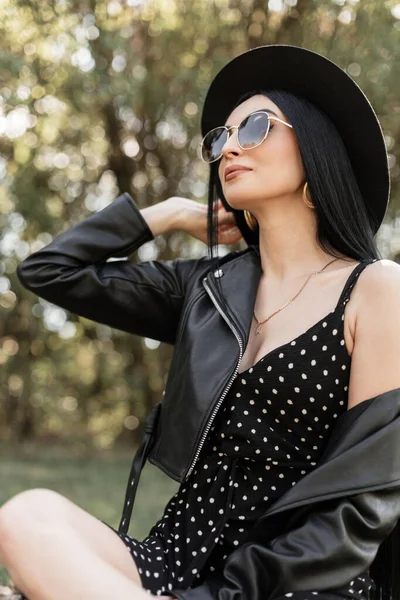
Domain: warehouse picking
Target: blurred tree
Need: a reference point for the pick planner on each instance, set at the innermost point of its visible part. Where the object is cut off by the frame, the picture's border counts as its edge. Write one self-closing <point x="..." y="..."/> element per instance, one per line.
<point x="102" y="97"/>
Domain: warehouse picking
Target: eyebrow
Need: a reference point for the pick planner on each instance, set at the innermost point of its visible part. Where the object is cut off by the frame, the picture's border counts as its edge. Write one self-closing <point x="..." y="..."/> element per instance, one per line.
<point x="268" y="110"/>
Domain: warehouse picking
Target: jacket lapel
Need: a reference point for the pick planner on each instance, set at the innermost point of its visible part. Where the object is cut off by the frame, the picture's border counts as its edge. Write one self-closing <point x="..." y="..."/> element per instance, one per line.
<point x="238" y="297"/>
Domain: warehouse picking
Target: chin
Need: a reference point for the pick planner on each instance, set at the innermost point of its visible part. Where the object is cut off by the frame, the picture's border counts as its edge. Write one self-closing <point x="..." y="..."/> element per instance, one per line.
<point x="238" y="201"/>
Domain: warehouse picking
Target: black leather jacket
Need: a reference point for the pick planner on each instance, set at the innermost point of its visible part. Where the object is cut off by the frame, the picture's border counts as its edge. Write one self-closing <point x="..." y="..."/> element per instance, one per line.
<point x="172" y="301"/>
<point x="324" y="531"/>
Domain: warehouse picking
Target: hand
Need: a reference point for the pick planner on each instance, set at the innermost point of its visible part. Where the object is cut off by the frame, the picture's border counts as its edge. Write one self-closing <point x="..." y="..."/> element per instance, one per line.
<point x="193" y="220"/>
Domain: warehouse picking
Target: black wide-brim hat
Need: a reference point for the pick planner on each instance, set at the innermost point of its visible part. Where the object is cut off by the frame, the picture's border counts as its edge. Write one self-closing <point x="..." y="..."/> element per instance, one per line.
<point x="328" y="87"/>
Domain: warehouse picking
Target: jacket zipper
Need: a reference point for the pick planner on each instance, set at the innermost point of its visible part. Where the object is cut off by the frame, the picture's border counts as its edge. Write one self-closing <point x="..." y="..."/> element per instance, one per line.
<point x="226" y="390"/>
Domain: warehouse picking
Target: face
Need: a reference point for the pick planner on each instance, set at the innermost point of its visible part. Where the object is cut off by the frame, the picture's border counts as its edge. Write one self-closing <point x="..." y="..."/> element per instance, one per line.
<point x="274" y="169"/>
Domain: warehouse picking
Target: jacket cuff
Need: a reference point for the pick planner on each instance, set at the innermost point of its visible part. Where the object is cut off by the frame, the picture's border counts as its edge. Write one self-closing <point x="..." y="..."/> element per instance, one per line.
<point x="125" y="211"/>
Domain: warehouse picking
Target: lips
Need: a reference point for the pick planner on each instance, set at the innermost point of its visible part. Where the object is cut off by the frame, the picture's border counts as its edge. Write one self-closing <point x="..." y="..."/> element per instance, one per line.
<point x="234" y="171"/>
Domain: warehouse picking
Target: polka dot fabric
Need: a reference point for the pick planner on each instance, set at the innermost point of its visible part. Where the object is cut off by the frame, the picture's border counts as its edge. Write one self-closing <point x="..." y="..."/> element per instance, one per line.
<point x="270" y="431"/>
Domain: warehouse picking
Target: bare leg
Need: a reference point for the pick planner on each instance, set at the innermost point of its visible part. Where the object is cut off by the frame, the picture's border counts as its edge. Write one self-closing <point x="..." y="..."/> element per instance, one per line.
<point x="54" y="549"/>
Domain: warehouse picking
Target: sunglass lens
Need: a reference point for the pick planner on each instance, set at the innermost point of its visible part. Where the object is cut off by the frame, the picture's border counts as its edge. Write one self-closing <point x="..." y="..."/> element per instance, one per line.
<point x="213" y="143"/>
<point x="253" y="130"/>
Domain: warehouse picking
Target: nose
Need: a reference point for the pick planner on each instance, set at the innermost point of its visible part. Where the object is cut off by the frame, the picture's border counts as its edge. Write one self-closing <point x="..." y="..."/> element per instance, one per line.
<point x="231" y="146"/>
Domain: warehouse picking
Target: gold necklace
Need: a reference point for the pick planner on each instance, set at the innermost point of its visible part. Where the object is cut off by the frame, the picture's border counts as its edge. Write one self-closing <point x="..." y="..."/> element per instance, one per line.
<point x="261" y="323"/>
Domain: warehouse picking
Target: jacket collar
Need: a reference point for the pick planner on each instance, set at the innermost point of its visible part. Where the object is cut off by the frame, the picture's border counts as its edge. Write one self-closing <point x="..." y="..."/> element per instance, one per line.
<point x="238" y="298"/>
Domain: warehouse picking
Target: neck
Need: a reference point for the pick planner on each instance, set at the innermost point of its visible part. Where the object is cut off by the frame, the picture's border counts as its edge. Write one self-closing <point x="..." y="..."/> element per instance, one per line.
<point x="288" y="244"/>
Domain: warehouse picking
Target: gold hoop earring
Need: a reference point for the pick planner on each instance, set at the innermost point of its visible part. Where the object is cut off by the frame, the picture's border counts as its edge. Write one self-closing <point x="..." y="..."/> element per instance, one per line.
<point x="306" y="200"/>
<point x="250" y="220"/>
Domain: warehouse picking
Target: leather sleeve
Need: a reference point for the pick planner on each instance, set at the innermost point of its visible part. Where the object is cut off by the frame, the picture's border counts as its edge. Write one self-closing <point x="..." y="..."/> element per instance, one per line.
<point x="325" y="551"/>
<point x="72" y="272"/>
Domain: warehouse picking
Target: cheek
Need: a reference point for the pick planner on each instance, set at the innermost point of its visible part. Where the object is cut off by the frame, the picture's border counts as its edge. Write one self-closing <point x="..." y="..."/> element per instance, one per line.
<point x="283" y="160"/>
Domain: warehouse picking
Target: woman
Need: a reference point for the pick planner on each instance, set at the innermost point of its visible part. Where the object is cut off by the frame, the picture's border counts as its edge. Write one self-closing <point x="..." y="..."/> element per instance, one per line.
<point x="282" y="406"/>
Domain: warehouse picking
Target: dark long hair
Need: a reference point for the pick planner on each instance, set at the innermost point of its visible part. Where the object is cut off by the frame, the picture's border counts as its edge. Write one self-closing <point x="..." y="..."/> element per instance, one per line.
<point x="345" y="224"/>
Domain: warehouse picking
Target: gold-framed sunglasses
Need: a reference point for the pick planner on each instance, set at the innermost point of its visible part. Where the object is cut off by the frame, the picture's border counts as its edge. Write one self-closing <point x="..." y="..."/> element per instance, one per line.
<point x="251" y="132"/>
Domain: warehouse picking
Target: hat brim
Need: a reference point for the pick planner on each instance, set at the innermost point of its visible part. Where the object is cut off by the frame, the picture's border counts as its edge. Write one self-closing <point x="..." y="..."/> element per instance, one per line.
<point x="328" y="87"/>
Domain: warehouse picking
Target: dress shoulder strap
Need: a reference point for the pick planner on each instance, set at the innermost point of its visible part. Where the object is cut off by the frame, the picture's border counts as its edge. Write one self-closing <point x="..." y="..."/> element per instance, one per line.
<point x="345" y="295"/>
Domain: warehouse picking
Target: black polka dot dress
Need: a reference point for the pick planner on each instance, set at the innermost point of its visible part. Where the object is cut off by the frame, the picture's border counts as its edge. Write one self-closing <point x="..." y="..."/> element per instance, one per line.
<point x="270" y="431"/>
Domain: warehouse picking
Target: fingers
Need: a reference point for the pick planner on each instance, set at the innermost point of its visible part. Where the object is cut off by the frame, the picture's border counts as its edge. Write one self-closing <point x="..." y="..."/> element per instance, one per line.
<point x="228" y="232"/>
<point x="224" y="217"/>
<point x="219" y="206"/>
<point x="229" y="235"/>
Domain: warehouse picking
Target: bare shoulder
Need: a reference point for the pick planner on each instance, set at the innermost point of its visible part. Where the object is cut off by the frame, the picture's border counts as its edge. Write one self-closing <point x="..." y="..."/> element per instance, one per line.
<point x="381" y="271"/>
<point x="376" y="334"/>
<point x="378" y="287"/>
<point x="378" y="282"/>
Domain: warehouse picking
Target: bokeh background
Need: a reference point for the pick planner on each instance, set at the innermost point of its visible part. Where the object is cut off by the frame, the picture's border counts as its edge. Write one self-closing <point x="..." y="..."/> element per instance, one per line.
<point x="97" y="98"/>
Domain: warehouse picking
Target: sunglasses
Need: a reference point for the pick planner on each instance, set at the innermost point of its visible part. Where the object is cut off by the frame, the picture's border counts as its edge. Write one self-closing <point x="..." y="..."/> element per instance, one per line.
<point x="251" y="132"/>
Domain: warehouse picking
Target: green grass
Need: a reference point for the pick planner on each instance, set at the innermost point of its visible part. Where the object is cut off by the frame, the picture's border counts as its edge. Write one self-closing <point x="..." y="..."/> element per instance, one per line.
<point x="95" y="482"/>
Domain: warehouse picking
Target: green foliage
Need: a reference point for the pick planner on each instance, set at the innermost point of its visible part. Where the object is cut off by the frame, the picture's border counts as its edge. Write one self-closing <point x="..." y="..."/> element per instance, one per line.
<point x="102" y="97"/>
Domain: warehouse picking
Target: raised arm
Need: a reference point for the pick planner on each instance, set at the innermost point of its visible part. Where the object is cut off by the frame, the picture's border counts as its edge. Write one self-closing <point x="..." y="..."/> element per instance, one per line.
<point x="145" y="299"/>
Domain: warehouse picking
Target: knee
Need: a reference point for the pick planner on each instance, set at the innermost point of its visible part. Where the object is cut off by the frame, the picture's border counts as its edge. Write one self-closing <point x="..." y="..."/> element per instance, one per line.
<point x="29" y="510"/>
